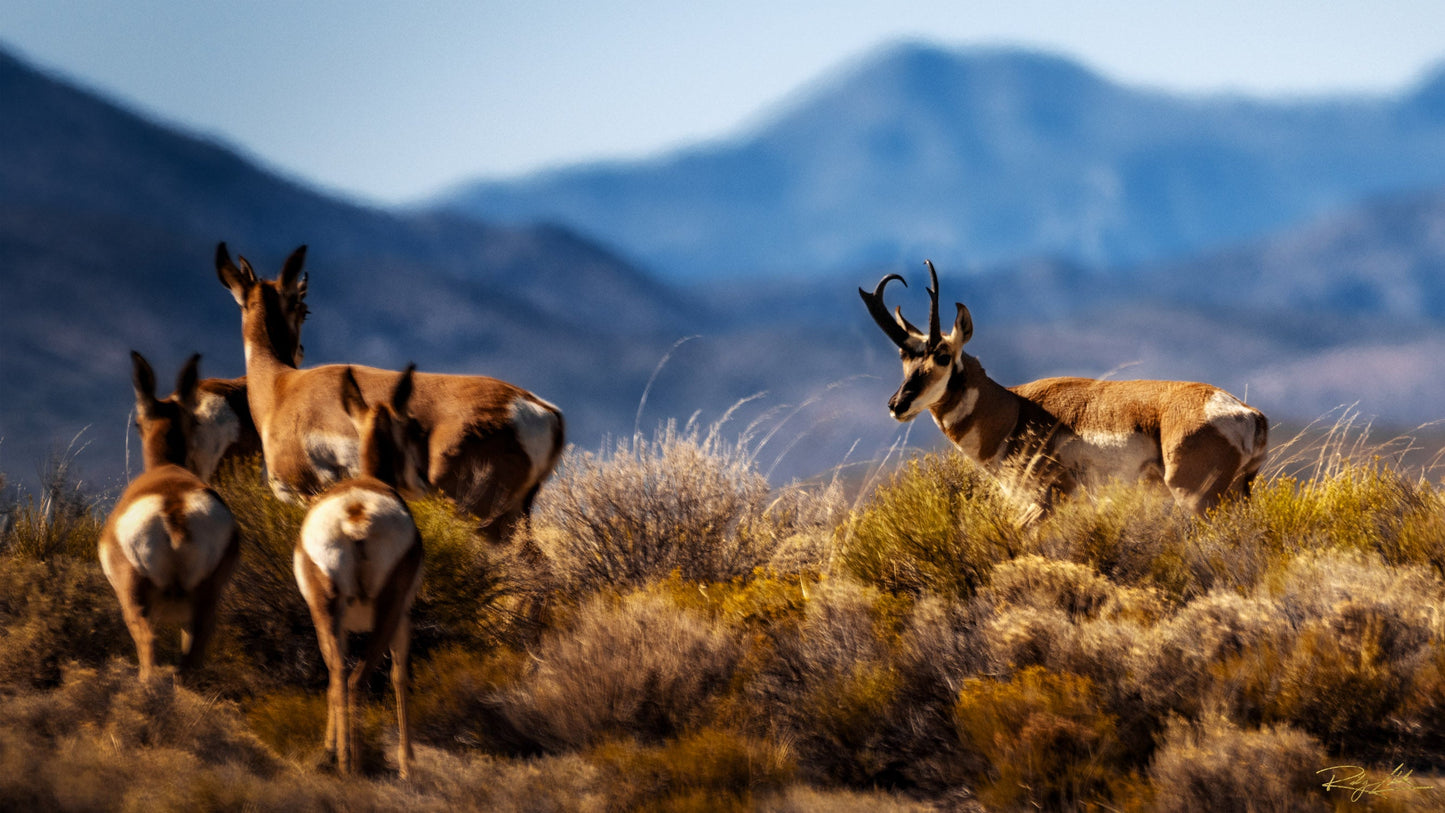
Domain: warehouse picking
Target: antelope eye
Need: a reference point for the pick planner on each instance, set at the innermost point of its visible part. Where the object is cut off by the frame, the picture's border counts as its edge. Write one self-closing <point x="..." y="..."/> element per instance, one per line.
<point x="942" y="359"/>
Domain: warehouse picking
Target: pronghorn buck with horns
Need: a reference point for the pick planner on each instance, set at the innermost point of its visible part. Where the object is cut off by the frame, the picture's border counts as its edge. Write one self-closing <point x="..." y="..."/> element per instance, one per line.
<point x="1048" y="437"/>
<point x="170" y="545"/>
<point x="490" y="444"/>
<point x="358" y="563"/>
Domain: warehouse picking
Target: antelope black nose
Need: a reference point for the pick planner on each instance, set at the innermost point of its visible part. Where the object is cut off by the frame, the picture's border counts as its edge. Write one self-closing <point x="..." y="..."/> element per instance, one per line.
<point x="898" y="406"/>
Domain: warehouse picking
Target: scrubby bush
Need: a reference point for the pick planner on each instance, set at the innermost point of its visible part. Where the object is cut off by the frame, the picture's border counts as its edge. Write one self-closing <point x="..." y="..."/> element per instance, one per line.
<point x="637" y="666"/>
<point x="709" y="769"/>
<point x="937" y="525"/>
<point x="676" y="501"/>
<point x="1175" y="661"/>
<point x="1215" y="766"/>
<point x="1129" y="533"/>
<point x="1078" y="590"/>
<point x="832" y="687"/>
<point x="54" y="612"/>
<point x="1043" y="737"/>
<point x="474" y="594"/>
<point x="265" y="639"/>
<point x="798" y="526"/>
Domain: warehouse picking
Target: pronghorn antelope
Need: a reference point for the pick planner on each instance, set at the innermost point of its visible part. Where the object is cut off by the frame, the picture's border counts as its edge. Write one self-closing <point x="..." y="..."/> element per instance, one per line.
<point x="1048" y="437"/>
<point x="358" y="564"/>
<point x="490" y="444"/>
<point x="223" y="427"/>
<point x="170" y="545"/>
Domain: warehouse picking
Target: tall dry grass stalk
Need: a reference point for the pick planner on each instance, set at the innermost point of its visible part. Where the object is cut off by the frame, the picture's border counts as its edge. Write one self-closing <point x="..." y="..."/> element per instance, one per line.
<point x="1344" y="440"/>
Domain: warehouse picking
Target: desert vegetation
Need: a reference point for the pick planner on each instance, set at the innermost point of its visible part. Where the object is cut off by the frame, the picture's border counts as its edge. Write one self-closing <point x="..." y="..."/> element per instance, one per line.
<point x="679" y="634"/>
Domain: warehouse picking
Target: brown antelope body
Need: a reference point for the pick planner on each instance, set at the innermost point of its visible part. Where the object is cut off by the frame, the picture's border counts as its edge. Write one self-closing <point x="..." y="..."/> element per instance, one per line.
<point x="358" y="563"/>
<point x="170" y="544"/>
<point x="490" y="444"/>
<point x="1049" y="437"/>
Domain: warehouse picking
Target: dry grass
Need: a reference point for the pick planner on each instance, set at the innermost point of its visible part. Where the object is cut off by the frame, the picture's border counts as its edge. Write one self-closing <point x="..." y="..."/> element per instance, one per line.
<point x="1215" y="766"/>
<point x="677" y="501"/>
<point x="695" y="639"/>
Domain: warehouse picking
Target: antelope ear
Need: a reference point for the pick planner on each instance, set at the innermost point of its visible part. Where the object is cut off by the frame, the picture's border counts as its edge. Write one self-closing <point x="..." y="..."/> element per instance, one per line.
<point x="962" y="325"/>
<point x="292" y="280"/>
<point x="188" y="381"/>
<point x="351" y="398"/>
<point x="143" y="379"/>
<point x="401" y="394"/>
<point x="236" y="280"/>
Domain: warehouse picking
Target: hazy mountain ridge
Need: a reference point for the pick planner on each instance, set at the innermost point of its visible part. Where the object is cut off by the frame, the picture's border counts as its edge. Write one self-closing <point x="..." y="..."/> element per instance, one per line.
<point x="94" y="265"/>
<point x="986" y="156"/>
<point x="108" y="225"/>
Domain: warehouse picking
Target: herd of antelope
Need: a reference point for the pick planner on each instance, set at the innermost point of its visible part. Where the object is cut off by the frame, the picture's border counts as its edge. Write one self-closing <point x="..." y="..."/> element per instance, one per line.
<point x="350" y="442"/>
<point x="353" y="443"/>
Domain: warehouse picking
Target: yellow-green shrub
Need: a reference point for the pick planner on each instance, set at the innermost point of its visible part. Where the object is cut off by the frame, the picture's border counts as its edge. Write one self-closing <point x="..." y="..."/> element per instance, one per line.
<point x="705" y="770"/>
<point x="638" y="666"/>
<point x="53" y="612"/>
<point x="937" y="525"/>
<point x="1043" y="738"/>
<point x="1130" y="533"/>
<point x="455" y="698"/>
<point x="474" y="593"/>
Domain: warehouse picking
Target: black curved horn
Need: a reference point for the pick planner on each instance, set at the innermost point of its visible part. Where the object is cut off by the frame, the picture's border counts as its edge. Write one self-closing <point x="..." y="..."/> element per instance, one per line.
<point x="874" y="301"/>
<point x="935" y="332"/>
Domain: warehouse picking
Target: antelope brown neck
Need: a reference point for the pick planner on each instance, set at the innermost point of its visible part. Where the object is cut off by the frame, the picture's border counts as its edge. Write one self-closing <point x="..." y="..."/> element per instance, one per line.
<point x="978" y="414"/>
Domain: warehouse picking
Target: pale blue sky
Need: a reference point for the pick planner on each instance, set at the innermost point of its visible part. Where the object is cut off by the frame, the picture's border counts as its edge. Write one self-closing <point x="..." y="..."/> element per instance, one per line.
<point x="387" y="102"/>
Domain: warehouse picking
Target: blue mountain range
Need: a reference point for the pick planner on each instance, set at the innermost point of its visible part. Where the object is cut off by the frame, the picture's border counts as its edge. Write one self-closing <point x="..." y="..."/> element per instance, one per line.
<point x="980" y="157"/>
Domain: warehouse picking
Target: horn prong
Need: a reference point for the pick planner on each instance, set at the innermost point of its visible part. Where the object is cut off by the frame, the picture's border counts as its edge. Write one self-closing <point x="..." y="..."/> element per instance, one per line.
<point x="898" y="314"/>
<point x="935" y="331"/>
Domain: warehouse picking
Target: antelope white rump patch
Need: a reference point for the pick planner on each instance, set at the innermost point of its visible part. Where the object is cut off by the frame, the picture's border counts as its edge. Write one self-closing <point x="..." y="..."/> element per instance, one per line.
<point x="217" y="427"/>
<point x="1232" y="419"/>
<point x="335" y="524"/>
<point x="536" y="425"/>
<point x="146" y="544"/>
<point x="334" y="457"/>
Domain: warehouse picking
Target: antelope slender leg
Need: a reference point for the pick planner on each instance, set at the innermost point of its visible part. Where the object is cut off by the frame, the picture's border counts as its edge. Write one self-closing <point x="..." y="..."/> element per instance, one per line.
<point x="400" y="649"/>
<point x="392" y="606"/>
<point x="340" y="736"/>
<point x="137" y="620"/>
<point x="205" y="602"/>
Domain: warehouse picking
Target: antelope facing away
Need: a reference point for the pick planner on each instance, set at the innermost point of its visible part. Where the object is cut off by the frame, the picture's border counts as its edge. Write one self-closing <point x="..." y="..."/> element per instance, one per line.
<point x="223" y="427"/>
<point x="490" y="444"/>
<point x="358" y="564"/>
<point x="170" y="545"/>
<point x="1048" y="437"/>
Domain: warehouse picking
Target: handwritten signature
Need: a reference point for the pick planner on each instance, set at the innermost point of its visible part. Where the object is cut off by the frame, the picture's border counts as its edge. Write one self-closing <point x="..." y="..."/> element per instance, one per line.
<point x="1353" y="778"/>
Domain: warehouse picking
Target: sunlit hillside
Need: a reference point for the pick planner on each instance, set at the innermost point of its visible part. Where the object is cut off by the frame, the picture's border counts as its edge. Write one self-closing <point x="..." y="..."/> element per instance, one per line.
<point x="680" y="634"/>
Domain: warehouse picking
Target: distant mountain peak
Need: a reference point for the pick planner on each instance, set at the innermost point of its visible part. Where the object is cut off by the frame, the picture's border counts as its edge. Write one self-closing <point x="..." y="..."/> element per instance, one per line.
<point x="928" y="72"/>
<point x="1428" y="97"/>
<point x="987" y="155"/>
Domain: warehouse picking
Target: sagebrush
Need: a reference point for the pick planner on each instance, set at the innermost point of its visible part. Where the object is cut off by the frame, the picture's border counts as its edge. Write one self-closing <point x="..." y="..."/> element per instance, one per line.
<point x="692" y="637"/>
